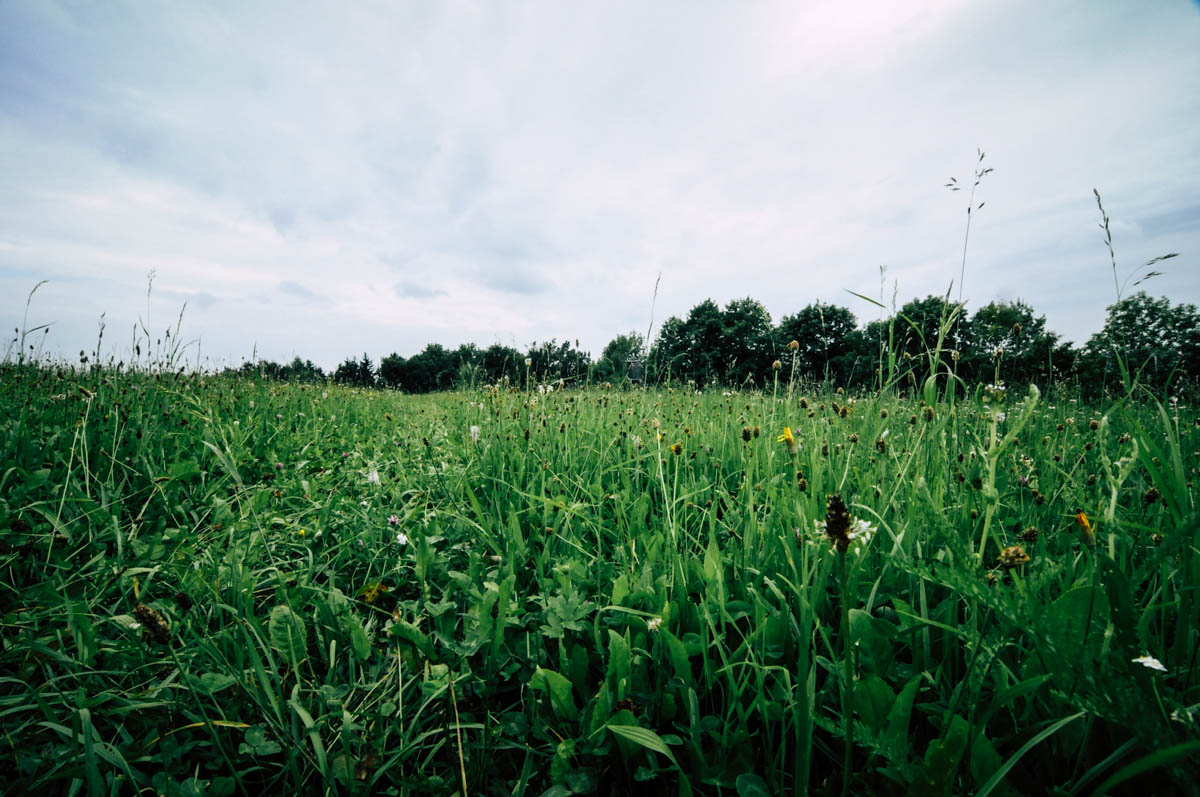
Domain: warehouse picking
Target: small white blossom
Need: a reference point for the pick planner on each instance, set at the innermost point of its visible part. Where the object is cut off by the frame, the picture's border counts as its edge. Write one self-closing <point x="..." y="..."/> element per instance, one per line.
<point x="1000" y="416"/>
<point x="653" y="623"/>
<point x="474" y="434"/>
<point x="402" y="538"/>
<point x="373" y="477"/>
<point x="1150" y="663"/>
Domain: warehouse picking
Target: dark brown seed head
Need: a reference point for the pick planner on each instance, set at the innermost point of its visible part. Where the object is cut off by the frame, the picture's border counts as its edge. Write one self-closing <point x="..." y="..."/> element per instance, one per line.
<point x="154" y="623"/>
<point x="837" y="523"/>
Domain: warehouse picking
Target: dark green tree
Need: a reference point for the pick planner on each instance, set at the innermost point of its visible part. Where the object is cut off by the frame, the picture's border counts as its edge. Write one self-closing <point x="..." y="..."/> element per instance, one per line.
<point x="1007" y="340"/>
<point x="1147" y="339"/>
<point x="391" y="370"/>
<point x="612" y="366"/>
<point x="747" y="349"/>
<point x="502" y="361"/>
<point x="827" y="342"/>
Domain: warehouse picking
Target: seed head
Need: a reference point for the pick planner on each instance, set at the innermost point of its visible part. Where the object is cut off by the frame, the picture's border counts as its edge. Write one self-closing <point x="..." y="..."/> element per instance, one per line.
<point x="837" y="523"/>
<point x="155" y="624"/>
<point x="1013" y="556"/>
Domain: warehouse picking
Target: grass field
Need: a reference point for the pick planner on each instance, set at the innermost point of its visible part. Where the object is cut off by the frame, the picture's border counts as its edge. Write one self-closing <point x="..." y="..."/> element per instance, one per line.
<point x="221" y="586"/>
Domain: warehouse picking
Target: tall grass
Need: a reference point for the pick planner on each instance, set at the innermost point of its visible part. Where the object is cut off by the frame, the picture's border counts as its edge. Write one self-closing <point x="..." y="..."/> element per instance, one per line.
<point x="568" y="605"/>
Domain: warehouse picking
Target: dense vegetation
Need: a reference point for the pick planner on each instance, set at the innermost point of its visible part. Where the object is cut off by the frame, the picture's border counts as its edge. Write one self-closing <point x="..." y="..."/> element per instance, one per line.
<point x="738" y="344"/>
<point x="216" y="584"/>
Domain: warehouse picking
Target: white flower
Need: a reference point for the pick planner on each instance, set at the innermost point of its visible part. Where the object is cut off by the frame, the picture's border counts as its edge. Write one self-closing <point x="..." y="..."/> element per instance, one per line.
<point x="528" y="362"/>
<point x="653" y="623"/>
<point x="251" y="403"/>
<point x="324" y="394"/>
<point x="1000" y="416"/>
<point x="1150" y="663"/>
<point x="636" y="440"/>
<point x="474" y="434"/>
<point x="861" y="531"/>
<point x="373" y="477"/>
<point x="402" y="538"/>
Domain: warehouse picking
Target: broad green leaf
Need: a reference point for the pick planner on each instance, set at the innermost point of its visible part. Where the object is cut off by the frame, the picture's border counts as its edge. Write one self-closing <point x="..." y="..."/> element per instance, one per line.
<point x="287" y="633"/>
<point x="558" y="689"/>
<point x="645" y="737"/>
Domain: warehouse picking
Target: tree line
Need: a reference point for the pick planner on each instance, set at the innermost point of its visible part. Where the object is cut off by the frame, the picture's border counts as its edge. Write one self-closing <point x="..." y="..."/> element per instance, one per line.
<point x="739" y="345"/>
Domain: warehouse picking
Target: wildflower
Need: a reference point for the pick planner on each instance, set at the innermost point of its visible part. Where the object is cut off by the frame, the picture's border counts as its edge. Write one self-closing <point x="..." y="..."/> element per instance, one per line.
<point x="677" y="448"/>
<point x="474" y="430"/>
<point x="1000" y="416"/>
<point x="653" y="623"/>
<point x="373" y="477"/>
<point x="775" y="366"/>
<point x="528" y="362"/>
<point x="402" y="538"/>
<point x="793" y="345"/>
<point x="1089" y="533"/>
<point x="1029" y="535"/>
<point x="393" y="520"/>
<point x="786" y="437"/>
<point x="1150" y="663"/>
<point x="1013" y="556"/>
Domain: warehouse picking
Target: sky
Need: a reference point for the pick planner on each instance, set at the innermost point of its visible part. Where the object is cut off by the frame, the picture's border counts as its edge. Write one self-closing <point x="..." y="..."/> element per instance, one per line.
<point x="332" y="179"/>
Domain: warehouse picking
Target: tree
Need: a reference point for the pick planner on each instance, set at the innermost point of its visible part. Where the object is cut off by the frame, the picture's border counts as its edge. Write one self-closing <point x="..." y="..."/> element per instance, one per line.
<point x="826" y="339"/>
<point x="391" y="370"/>
<point x="432" y="369"/>
<point x="747" y="349"/>
<point x="612" y="366"/>
<point x="1006" y="339"/>
<point x="1146" y="338"/>
<point x="502" y="361"/>
<point x="553" y="361"/>
<point x="670" y="357"/>
<point x="360" y="373"/>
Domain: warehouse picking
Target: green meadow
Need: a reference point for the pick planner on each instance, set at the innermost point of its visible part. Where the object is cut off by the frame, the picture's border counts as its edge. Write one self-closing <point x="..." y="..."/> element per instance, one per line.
<point x="227" y="585"/>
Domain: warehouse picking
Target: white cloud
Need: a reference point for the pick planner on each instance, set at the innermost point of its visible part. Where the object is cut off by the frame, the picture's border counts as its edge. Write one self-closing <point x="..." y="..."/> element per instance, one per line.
<point x="323" y="180"/>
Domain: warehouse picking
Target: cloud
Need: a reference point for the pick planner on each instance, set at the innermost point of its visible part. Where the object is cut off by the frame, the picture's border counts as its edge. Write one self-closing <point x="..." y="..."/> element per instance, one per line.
<point x="417" y="290"/>
<point x="534" y="167"/>
<point x="293" y="288"/>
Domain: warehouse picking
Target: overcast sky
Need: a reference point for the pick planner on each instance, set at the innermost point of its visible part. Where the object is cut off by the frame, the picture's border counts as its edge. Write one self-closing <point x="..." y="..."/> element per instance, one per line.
<point x="325" y="179"/>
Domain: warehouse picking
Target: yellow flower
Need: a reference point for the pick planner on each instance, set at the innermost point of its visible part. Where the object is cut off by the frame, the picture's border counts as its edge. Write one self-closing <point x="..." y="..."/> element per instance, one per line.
<point x="1089" y="533"/>
<point x="787" y="437"/>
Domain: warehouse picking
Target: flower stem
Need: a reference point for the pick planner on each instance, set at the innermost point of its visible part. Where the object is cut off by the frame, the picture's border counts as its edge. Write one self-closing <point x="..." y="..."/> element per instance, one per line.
<point x="847" y="677"/>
